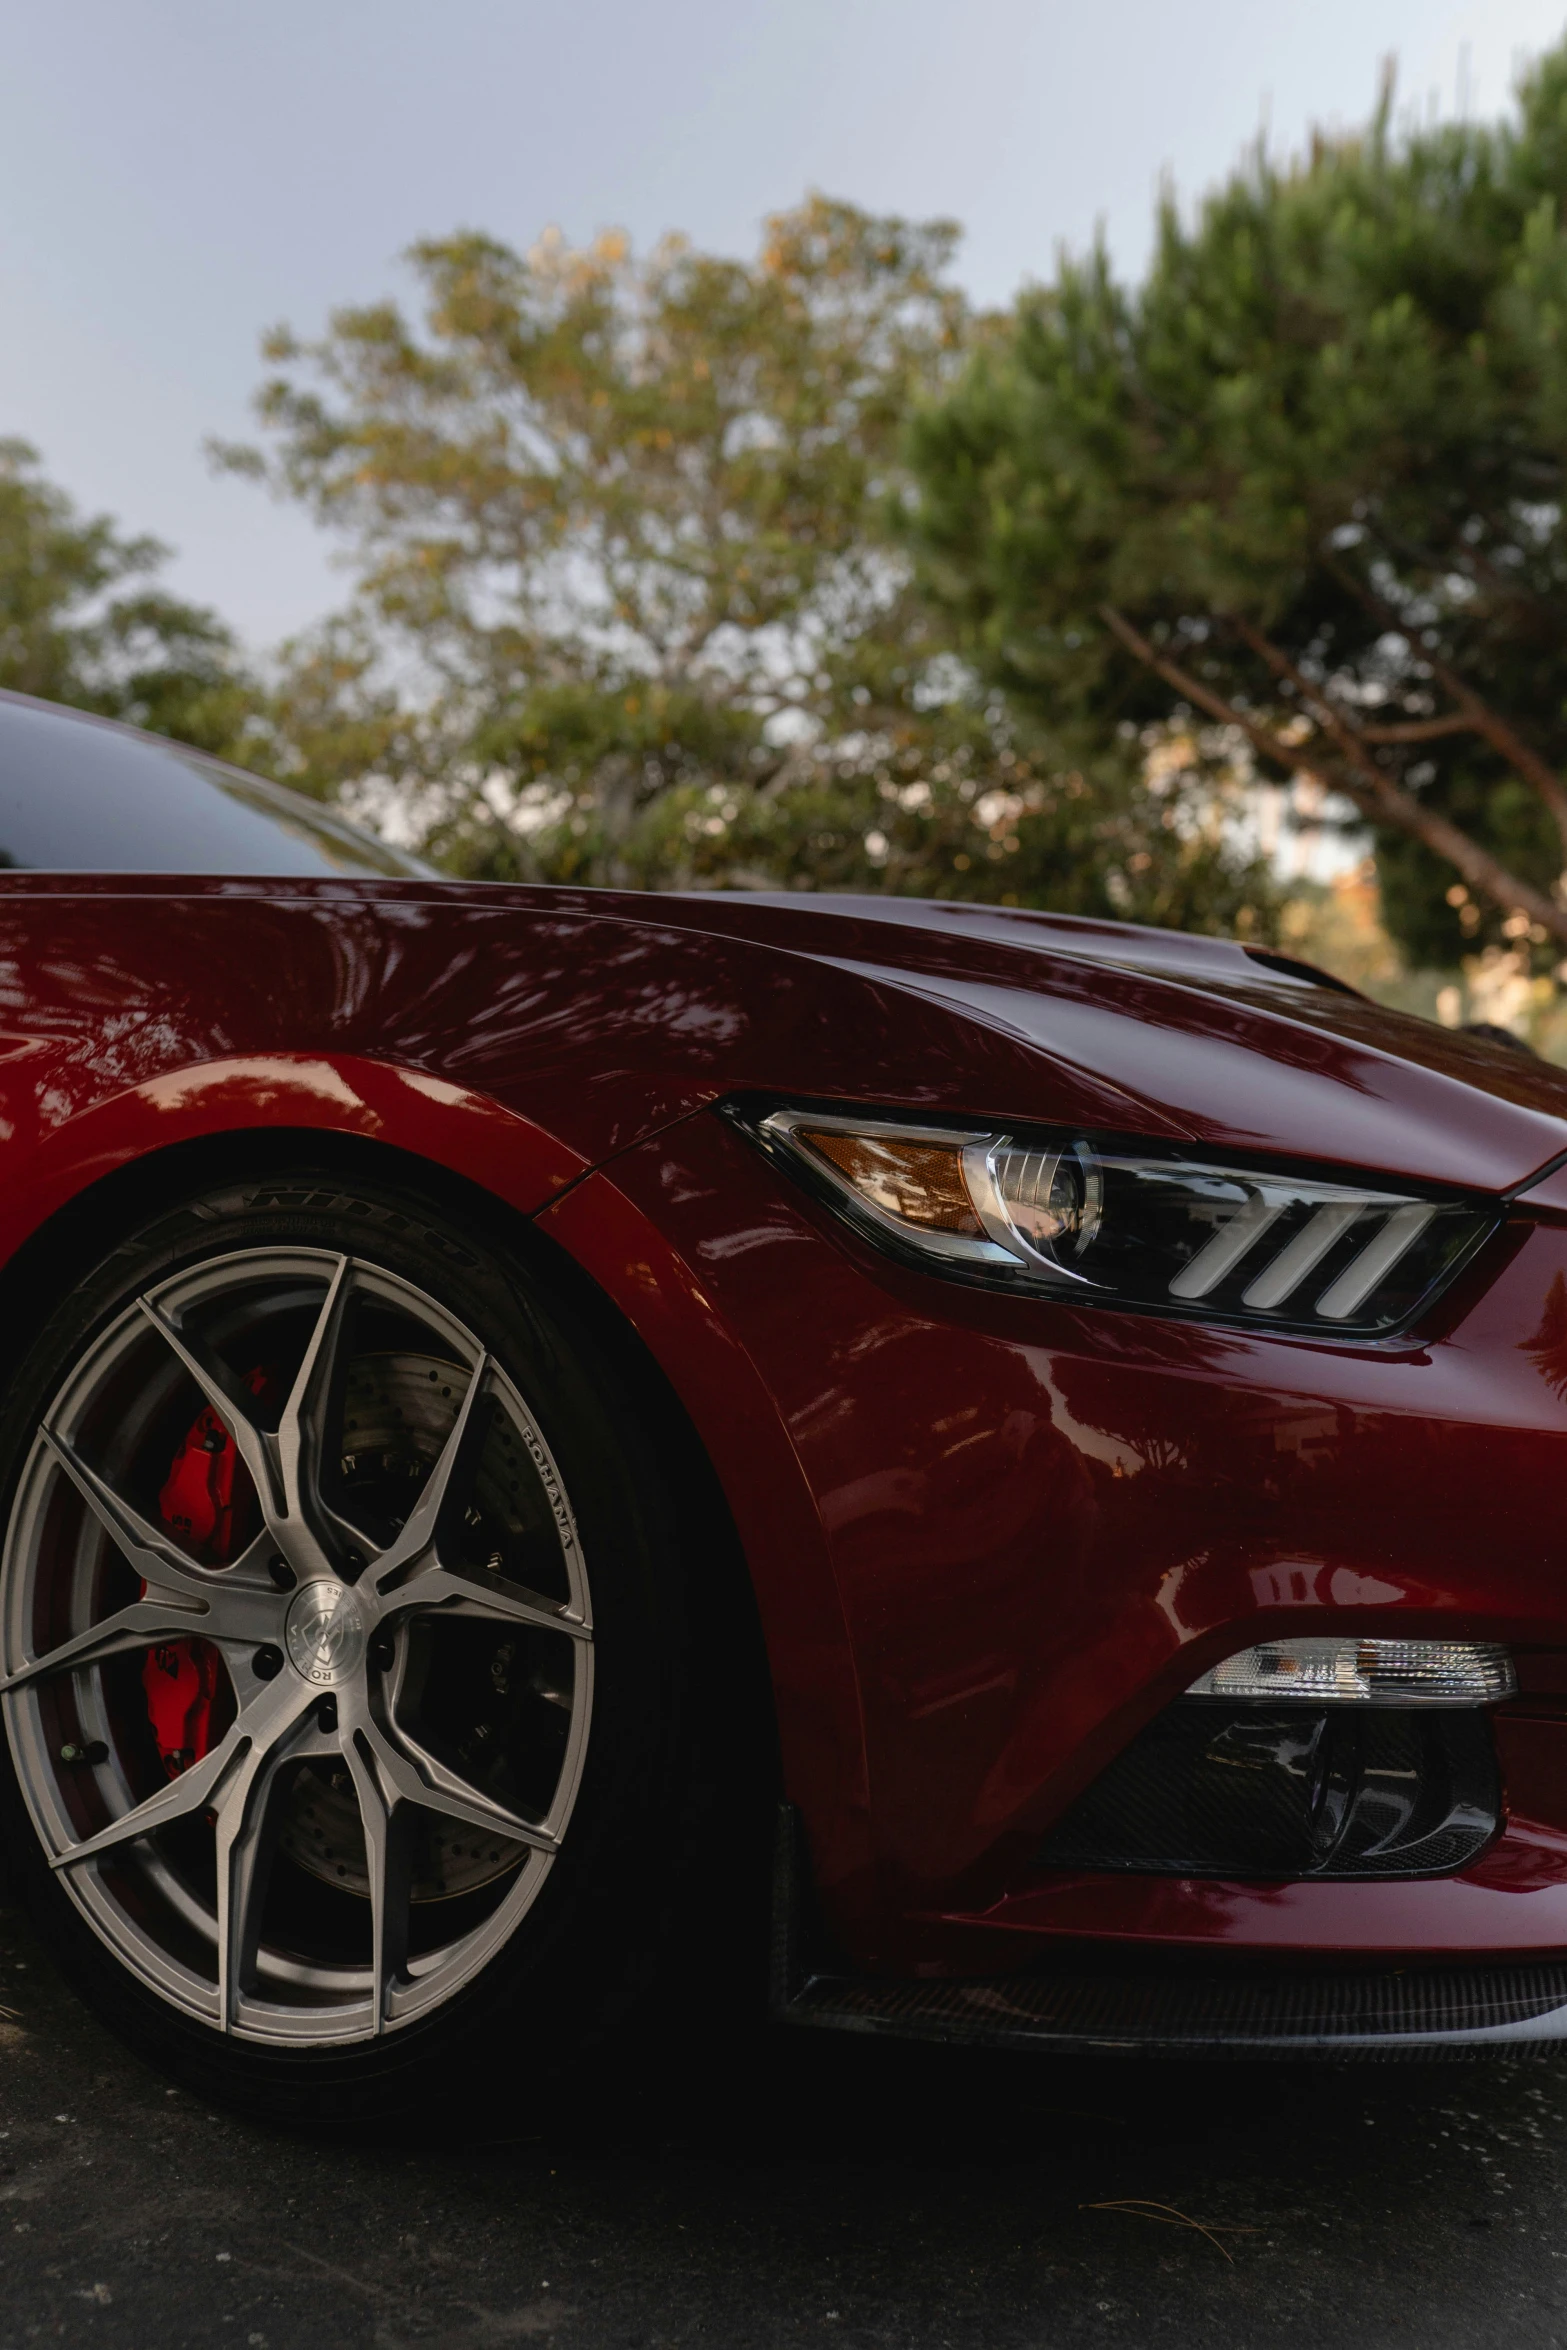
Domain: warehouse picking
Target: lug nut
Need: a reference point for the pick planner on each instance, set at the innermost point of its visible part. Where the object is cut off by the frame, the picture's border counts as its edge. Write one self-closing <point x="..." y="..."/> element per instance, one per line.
<point x="382" y="1653"/>
<point x="326" y="1713"/>
<point x="267" y="1663"/>
<point x="281" y="1572"/>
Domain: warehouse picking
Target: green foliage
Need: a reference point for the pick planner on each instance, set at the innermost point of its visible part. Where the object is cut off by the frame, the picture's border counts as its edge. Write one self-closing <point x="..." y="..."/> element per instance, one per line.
<point x="996" y="830"/>
<point x="631" y="605"/>
<point x="1308" y="479"/>
<point x="80" y="624"/>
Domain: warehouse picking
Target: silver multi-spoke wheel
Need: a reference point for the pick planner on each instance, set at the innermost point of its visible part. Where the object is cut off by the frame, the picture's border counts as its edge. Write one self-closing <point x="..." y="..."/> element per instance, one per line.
<point x="379" y="1601"/>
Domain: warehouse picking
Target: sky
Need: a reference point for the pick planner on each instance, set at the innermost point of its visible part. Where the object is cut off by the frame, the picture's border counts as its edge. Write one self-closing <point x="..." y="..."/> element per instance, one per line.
<point x="177" y="175"/>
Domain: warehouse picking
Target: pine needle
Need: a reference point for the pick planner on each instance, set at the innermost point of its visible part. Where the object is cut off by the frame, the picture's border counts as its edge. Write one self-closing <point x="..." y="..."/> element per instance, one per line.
<point x="1141" y="2207"/>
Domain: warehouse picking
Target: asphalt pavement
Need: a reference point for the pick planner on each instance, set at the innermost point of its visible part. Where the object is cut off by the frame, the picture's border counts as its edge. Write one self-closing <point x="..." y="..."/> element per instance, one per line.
<point x="813" y="2190"/>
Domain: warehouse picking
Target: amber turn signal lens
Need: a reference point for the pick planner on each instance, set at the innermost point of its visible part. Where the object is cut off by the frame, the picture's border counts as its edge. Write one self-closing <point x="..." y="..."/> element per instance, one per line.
<point x="919" y="1183"/>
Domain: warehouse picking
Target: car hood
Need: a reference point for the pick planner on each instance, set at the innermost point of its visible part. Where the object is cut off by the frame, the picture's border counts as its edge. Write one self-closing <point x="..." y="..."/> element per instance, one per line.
<point x="1201" y="1039"/>
<point x="605" y="1016"/>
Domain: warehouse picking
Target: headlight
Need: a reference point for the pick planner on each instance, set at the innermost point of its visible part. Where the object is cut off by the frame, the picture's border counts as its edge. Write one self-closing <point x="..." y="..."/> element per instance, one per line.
<point x="1139" y="1226"/>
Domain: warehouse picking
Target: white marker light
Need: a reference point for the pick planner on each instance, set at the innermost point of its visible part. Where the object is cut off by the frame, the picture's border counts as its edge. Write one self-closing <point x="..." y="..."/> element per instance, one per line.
<point x="1364" y="1672"/>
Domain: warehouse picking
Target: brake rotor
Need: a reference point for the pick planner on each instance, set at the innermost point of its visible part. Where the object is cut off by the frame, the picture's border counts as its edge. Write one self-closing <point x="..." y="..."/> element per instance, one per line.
<point x="398" y="1411"/>
<point x="319" y="1830"/>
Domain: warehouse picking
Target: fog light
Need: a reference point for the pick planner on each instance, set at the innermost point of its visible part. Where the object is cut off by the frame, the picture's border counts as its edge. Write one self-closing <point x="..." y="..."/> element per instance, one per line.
<point x="1365" y="1672"/>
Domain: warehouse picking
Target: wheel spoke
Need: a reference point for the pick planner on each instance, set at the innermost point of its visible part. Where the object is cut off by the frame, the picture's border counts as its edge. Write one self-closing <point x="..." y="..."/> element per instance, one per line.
<point x="423" y="1523"/>
<point x="411" y="1775"/>
<point x="222" y="1398"/>
<point x="301" y="1435"/>
<point x="462" y="1595"/>
<point x="383" y="1815"/>
<point x="241" y="1611"/>
<point x="246" y="1840"/>
<point x="203" y="1786"/>
<point x="143" y="1624"/>
<point x="142" y="1545"/>
<point x="191" y="1791"/>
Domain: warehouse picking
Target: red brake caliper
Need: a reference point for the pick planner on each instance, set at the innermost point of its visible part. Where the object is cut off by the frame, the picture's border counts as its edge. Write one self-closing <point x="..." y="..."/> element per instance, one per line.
<point x="182" y="1678"/>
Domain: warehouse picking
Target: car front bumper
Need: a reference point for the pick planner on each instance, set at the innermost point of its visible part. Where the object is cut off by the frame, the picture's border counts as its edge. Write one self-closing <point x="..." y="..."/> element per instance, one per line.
<point x="992" y="1538"/>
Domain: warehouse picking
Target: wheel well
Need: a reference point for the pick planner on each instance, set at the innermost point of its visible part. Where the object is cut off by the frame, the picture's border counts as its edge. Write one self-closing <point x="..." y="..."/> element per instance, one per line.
<point x="106" y="1212"/>
<point x="97" y="1218"/>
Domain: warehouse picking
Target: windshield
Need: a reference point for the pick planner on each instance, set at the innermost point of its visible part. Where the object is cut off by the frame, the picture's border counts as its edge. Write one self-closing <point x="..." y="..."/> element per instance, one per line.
<point x="78" y="795"/>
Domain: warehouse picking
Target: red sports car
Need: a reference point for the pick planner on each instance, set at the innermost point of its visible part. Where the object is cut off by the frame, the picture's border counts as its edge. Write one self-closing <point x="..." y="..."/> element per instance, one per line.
<point x="539" y="1422"/>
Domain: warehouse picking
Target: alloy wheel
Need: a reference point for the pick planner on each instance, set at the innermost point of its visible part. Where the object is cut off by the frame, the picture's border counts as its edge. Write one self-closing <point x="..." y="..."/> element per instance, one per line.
<point x="296" y="1487"/>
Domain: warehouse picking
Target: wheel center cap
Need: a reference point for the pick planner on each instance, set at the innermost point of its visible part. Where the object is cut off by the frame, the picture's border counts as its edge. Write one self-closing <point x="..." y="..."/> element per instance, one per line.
<point x="324" y="1632"/>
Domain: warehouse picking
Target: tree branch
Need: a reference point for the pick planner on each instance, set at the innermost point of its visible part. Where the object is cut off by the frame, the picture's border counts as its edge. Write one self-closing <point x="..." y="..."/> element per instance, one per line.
<point x="1489" y="724"/>
<point x="1418" y="730"/>
<point x="1375" y="794"/>
<point x="1494" y="728"/>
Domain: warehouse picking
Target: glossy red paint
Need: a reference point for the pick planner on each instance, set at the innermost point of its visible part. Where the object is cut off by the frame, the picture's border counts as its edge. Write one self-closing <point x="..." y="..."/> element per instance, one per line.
<point x="1042" y="1523"/>
<point x="990" y="1537"/>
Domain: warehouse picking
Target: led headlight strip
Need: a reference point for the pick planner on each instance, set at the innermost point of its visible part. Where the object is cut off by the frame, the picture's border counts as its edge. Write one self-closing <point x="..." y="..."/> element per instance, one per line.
<point x="1133" y="1226"/>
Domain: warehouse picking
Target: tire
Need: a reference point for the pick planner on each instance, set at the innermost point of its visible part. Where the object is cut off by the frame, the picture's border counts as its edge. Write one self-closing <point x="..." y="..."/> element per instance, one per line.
<point x="413" y="1794"/>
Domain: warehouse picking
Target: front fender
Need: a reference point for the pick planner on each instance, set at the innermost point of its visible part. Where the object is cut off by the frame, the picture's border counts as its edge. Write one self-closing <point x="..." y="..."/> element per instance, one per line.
<point x="816" y="1686"/>
<point x="75" y="1144"/>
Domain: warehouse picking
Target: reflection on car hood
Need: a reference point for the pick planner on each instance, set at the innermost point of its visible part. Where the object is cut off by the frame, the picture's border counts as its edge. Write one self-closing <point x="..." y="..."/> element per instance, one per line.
<point x="606" y="1015"/>
<point x="1204" y="1037"/>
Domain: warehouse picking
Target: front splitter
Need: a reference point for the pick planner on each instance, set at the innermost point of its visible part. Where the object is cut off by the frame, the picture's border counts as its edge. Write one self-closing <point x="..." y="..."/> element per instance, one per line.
<point x="1502" y="2010"/>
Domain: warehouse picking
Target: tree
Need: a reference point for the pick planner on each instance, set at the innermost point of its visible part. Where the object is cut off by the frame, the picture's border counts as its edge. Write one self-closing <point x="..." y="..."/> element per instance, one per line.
<point x="81" y="621"/>
<point x="1306" y="482"/>
<point x="629" y="604"/>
